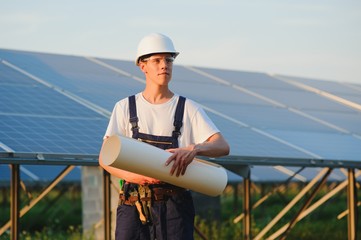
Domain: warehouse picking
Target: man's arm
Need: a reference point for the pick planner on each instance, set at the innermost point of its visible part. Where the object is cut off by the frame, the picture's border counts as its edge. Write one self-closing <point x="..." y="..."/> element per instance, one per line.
<point x="214" y="146"/>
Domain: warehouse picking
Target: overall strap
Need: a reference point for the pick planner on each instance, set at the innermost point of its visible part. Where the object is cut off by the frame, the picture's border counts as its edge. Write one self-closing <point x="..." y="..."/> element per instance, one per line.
<point x="178" y="118"/>
<point x="133" y="118"/>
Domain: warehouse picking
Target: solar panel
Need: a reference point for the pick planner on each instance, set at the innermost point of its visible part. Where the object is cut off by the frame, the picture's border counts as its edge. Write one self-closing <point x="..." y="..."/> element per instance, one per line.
<point x="338" y="88"/>
<point x="302" y="100"/>
<point x="247" y="79"/>
<point x="128" y="66"/>
<point x="76" y="75"/>
<point x="247" y="142"/>
<point x="345" y="93"/>
<point x="35" y="118"/>
<point x="335" y="146"/>
<point x="52" y="135"/>
<point x="348" y="121"/>
<point x="214" y="93"/>
<point x="68" y="98"/>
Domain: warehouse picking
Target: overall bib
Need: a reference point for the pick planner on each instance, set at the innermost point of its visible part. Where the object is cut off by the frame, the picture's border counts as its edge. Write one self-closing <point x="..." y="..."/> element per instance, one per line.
<point x="172" y="217"/>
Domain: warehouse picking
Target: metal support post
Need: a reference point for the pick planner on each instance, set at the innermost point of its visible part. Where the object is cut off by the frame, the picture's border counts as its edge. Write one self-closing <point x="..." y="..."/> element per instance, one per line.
<point x="247" y="207"/>
<point x="107" y="203"/>
<point x="14" y="208"/>
<point x="351" y="203"/>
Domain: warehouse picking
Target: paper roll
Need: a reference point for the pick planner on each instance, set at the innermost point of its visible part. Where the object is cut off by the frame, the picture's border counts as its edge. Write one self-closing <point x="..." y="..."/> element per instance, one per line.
<point x="141" y="158"/>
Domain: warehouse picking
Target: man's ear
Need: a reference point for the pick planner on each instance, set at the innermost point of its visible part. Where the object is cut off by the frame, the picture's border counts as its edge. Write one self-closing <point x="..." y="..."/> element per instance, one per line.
<point x="143" y="67"/>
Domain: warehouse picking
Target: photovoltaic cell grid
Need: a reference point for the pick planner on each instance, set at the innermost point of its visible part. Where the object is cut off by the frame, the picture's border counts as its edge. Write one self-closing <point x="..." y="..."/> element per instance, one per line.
<point x="78" y="75"/>
<point x="35" y="118"/>
<point x="209" y="93"/>
<point x="247" y="142"/>
<point x="338" y="88"/>
<point x="285" y="93"/>
<point x="308" y="120"/>
<point x="268" y="118"/>
<point x="52" y="135"/>
<point x="249" y="80"/>
<point x="349" y="121"/>
<point x="300" y="99"/>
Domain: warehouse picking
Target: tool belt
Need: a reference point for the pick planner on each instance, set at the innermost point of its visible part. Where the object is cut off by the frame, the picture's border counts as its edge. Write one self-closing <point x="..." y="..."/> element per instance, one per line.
<point x="143" y="196"/>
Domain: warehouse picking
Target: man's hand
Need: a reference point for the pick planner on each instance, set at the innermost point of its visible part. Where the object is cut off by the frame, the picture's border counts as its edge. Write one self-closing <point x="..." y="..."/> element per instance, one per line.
<point x="181" y="157"/>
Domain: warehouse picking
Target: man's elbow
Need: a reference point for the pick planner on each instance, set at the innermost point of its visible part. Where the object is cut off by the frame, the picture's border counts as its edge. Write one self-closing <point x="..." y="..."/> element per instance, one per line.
<point x="222" y="150"/>
<point x="226" y="149"/>
<point x="101" y="149"/>
<point x="223" y="146"/>
<point x="101" y="164"/>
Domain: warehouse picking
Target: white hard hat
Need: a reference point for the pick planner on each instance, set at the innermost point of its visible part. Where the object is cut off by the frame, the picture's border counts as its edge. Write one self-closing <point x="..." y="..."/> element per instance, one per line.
<point x="155" y="43"/>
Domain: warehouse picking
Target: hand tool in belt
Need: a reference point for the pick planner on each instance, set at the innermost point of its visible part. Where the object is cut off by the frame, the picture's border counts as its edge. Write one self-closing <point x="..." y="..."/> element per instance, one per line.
<point x="132" y="199"/>
<point x="145" y="196"/>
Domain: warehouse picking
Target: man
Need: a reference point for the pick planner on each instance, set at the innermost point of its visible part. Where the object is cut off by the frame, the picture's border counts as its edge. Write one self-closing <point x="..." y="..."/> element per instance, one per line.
<point x="149" y="208"/>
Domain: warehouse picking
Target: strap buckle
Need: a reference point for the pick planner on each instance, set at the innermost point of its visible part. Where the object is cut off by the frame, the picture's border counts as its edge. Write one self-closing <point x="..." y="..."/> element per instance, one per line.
<point x="134" y="122"/>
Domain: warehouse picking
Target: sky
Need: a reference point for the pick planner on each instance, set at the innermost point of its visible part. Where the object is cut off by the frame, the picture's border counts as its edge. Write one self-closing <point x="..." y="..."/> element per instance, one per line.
<point x="311" y="39"/>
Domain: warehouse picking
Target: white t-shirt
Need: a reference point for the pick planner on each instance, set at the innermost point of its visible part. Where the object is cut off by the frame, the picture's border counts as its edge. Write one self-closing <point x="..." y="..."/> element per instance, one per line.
<point x="157" y="119"/>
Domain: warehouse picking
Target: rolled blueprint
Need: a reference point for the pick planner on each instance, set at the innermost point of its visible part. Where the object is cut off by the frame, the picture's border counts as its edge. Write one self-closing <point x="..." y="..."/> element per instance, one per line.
<point x="141" y="158"/>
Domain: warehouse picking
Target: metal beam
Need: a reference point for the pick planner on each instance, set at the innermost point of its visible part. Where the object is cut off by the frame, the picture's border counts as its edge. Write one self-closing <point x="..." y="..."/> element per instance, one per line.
<point x="351" y="203"/>
<point x="25" y="209"/>
<point x="314" y="206"/>
<point x="231" y="162"/>
<point x="107" y="203"/>
<point x="267" y="195"/>
<point x="247" y="207"/>
<point x="306" y="204"/>
<point x="234" y="161"/>
<point x="290" y="205"/>
<point x="14" y="203"/>
<point x="49" y="159"/>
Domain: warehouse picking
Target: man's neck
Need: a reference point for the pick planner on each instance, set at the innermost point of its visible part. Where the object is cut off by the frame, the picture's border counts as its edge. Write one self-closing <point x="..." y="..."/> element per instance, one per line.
<point x="156" y="96"/>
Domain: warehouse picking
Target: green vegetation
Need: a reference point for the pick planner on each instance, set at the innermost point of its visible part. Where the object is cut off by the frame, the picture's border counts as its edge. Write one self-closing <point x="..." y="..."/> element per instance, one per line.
<point x="319" y="224"/>
<point x="59" y="215"/>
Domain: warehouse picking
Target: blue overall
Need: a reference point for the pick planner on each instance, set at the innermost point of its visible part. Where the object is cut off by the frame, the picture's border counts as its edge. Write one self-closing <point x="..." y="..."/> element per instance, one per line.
<point x="173" y="218"/>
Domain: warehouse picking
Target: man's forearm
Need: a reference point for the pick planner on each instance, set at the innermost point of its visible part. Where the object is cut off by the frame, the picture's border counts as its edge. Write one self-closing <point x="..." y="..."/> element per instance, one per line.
<point x="215" y="146"/>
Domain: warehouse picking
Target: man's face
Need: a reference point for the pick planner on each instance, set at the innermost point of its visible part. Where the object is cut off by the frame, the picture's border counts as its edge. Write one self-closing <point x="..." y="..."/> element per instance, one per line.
<point x="158" y="68"/>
